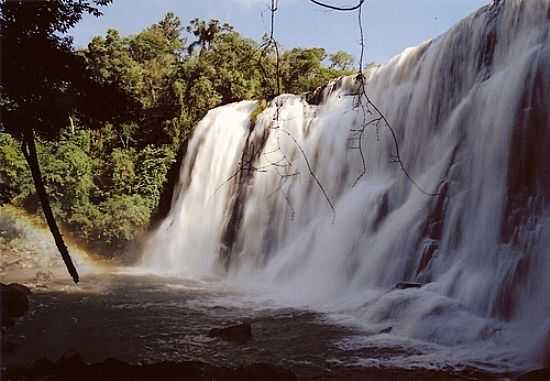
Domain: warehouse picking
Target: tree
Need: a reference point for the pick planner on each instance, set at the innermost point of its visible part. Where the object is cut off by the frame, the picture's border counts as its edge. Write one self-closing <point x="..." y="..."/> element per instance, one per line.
<point x="44" y="82"/>
<point x="341" y="60"/>
<point x="302" y="70"/>
<point x="144" y="65"/>
<point x="205" y="32"/>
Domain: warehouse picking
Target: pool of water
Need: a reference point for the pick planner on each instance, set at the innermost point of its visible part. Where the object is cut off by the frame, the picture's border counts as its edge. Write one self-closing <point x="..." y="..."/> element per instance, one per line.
<point x="144" y="319"/>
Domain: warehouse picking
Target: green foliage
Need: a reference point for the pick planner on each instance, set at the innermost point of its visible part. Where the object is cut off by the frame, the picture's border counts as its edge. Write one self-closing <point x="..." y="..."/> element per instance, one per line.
<point x="302" y="70"/>
<point x="14" y="176"/>
<point x="123" y="218"/>
<point x="68" y="174"/>
<point x="123" y="175"/>
<point x="107" y="200"/>
<point x="153" y="165"/>
<point x="260" y="107"/>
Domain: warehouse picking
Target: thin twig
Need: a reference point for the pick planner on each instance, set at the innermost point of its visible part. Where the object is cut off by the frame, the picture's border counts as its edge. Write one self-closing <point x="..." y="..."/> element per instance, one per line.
<point x="310" y="169"/>
<point x="335" y="8"/>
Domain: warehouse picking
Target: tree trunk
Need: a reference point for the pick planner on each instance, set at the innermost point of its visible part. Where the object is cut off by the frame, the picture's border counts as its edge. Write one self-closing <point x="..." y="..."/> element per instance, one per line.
<point x="29" y="151"/>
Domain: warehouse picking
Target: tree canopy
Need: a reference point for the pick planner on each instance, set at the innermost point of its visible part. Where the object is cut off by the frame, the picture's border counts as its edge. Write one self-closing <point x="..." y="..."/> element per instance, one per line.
<point x="43" y="80"/>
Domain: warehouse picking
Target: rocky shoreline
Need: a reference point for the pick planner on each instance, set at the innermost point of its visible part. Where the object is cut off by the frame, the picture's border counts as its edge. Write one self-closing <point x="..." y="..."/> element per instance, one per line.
<point x="72" y="367"/>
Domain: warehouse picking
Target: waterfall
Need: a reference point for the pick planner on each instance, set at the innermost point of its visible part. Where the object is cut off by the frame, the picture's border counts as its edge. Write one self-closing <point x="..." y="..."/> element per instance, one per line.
<point x="470" y="110"/>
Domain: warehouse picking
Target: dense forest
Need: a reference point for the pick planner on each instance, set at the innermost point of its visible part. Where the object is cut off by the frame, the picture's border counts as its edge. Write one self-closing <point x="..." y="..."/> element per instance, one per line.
<point x="105" y="177"/>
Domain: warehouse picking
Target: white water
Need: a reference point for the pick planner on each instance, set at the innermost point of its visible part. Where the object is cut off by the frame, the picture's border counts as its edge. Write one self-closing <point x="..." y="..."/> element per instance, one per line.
<point x="464" y="108"/>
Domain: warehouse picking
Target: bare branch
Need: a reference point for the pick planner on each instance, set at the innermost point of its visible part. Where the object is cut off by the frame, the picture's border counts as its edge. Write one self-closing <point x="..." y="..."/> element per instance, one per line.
<point x="335" y="8"/>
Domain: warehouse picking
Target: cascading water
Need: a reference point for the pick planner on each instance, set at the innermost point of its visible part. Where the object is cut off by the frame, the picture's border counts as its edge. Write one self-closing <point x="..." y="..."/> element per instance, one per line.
<point x="471" y="113"/>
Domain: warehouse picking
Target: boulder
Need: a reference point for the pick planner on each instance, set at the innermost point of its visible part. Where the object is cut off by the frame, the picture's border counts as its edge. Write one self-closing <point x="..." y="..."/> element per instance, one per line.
<point x="71" y="360"/>
<point x="14" y="302"/>
<point x="20" y="287"/>
<point x="115" y="368"/>
<point x="240" y="333"/>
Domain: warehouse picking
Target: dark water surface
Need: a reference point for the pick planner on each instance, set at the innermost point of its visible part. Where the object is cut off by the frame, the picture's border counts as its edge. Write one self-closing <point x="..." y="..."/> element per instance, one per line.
<point x="145" y="319"/>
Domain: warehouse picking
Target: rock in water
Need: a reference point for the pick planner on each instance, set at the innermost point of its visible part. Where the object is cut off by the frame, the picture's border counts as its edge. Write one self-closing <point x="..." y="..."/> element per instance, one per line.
<point x="240" y="333"/>
<point x="20" y="287"/>
<point x="14" y="302"/>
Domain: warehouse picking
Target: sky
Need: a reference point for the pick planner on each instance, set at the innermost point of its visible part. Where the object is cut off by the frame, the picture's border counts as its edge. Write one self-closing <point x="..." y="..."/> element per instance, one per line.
<point x="390" y="25"/>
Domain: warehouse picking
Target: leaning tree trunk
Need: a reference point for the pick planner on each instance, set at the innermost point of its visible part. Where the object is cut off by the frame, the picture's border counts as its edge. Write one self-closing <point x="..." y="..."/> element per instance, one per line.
<point x="29" y="151"/>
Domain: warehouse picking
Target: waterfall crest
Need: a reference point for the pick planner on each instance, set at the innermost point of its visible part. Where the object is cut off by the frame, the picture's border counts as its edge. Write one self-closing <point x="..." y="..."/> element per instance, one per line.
<point x="471" y="115"/>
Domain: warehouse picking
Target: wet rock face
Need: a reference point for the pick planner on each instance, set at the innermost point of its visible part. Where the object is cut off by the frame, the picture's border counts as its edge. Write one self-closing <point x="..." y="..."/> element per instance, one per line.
<point x="528" y="175"/>
<point x="14" y="302"/>
<point x="406" y="285"/>
<point x="546" y="352"/>
<point x="240" y="333"/>
<point x="349" y="85"/>
<point x="433" y="230"/>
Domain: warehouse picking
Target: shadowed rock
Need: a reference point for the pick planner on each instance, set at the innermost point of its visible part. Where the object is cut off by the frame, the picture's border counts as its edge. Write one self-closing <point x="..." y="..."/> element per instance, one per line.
<point x="71" y="359"/>
<point x="240" y="333"/>
<point x="546" y="351"/>
<point x="535" y="375"/>
<point x="72" y="367"/>
<point x="7" y="345"/>
<point x="43" y="364"/>
<point x="14" y="302"/>
<point x="21" y="288"/>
